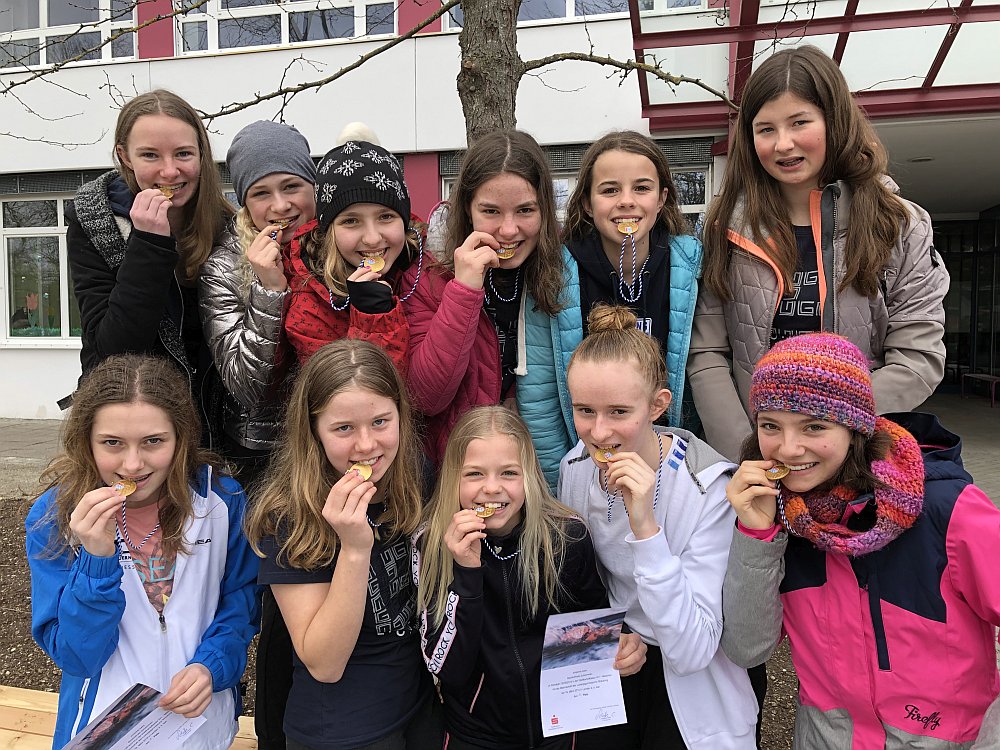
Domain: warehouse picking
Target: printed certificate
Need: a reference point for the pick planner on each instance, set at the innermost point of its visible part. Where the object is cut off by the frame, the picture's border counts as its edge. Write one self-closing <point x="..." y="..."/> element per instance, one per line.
<point x="580" y="688"/>
<point x="134" y="721"/>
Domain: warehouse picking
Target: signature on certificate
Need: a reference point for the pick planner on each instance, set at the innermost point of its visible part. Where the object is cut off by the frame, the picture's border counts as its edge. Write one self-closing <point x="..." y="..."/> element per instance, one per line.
<point x="603" y="714"/>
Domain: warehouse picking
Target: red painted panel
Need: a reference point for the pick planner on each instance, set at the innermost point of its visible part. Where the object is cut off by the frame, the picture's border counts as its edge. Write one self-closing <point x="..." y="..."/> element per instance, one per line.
<point x="157" y="39"/>
<point x="423" y="180"/>
<point x="412" y="12"/>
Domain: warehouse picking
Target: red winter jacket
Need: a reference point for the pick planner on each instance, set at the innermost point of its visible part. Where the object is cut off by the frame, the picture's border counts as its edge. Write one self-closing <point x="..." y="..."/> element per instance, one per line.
<point x="454" y="355"/>
<point x="311" y="320"/>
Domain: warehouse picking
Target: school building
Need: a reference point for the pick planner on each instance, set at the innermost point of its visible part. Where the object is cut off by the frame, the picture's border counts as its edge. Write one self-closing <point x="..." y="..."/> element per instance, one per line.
<point x="926" y="71"/>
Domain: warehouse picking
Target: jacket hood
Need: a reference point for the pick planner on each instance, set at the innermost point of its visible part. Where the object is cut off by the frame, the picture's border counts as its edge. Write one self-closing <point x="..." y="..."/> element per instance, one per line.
<point x="120" y="197"/>
<point x="589" y="251"/>
<point x="941" y="448"/>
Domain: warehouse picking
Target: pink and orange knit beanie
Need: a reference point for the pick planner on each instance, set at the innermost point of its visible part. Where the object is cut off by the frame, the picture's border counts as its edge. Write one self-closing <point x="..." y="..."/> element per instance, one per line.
<point x="820" y="374"/>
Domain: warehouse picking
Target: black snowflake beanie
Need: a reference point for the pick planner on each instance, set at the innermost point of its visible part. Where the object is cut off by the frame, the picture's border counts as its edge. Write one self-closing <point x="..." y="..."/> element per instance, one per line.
<point x="359" y="172"/>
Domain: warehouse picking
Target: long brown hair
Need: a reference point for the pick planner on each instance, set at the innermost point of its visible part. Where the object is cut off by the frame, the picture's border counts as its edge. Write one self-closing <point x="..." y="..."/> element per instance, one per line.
<point x="128" y="379"/>
<point x="511" y="152"/>
<point x="205" y="215"/>
<point x="854" y="154"/>
<point x="290" y="504"/>
<point x="545" y="528"/>
<point x="579" y="224"/>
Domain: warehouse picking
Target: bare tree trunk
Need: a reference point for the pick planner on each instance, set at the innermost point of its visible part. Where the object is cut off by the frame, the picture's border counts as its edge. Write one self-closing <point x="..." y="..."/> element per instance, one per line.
<point x="491" y="67"/>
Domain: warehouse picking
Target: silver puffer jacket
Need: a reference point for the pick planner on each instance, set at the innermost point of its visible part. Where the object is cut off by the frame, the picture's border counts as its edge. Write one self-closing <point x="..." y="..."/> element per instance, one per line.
<point x="242" y="325"/>
<point x="900" y="330"/>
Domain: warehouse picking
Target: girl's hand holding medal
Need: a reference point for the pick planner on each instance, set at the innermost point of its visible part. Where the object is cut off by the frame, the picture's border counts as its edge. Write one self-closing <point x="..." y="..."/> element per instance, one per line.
<point x="93" y="521"/>
<point x="149" y="212"/>
<point x="464" y="536"/>
<point x="636" y="481"/>
<point x="346" y="510"/>
<point x="753" y="495"/>
<point x="474" y="257"/>
<point x="264" y="255"/>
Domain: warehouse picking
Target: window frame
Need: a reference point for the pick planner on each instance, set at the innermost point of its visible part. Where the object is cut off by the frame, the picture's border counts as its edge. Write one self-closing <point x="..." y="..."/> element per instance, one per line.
<point x="105" y="25"/>
<point x="571" y="15"/>
<point x="65" y="340"/>
<point x="213" y="12"/>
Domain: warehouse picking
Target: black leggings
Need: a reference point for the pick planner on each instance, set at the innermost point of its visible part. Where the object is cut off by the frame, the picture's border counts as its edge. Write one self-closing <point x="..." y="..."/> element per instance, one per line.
<point x="274" y="676"/>
<point x="651" y="723"/>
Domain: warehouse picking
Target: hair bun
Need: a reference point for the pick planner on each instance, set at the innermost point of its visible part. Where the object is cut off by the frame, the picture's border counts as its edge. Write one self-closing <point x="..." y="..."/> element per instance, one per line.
<point x="604" y="317"/>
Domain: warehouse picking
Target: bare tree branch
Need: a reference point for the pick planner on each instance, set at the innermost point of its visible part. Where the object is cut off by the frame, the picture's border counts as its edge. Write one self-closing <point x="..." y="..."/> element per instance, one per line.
<point x="49" y="69"/>
<point x="627" y="66"/>
<point x="46" y="141"/>
<point x="287" y="92"/>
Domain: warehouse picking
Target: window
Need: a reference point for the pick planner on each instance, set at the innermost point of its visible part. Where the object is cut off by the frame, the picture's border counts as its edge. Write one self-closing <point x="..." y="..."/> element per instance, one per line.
<point x="538" y="10"/>
<point x="39" y="301"/>
<point x="666" y="6"/>
<point x="47" y="32"/>
<point x="232" y="24"/>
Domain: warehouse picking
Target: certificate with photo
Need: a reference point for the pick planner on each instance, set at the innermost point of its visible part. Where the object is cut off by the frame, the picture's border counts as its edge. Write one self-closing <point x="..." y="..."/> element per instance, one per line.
<point x="580" y="688"/>
<point x="135" y="721"/>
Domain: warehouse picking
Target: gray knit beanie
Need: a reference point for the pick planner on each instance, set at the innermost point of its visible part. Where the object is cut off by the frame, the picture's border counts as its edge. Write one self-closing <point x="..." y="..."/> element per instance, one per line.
<point x="359" y="172"/>
<point x="263" y="148"/>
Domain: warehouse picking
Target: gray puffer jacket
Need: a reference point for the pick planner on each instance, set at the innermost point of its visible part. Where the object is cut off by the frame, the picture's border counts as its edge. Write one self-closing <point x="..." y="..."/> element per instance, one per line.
<point x="242" y="325"/>
<point x="900" y="330"/>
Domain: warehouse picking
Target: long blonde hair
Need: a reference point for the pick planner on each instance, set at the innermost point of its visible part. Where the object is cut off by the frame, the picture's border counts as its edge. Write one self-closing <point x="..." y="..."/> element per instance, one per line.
<point x="290" y="504"/>
<point x="206" y="214"/>
<point x="545" y="532"/>
<point x="127" y="379"/>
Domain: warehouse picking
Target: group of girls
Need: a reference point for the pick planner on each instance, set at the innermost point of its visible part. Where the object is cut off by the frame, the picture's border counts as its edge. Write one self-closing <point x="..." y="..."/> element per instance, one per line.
<point x="323" y="316"/>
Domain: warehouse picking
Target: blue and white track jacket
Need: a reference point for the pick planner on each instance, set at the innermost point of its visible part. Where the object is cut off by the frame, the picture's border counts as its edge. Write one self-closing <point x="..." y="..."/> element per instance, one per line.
<point x="91" y="616"/>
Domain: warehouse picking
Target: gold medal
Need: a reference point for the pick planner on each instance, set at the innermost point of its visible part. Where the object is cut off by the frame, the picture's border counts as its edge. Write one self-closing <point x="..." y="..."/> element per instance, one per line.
<point x="375" y="264"/>
<point x="777" y="472"/>
<point x="124" y="487"/>
<point x="282" y="223"/>
<point x="628" y="227"/>
<point x="602" y="455"/>
<point x="168" y="192"/>
<point x="486" y="510"/>
<point x="506" y="253"/>
<point x="364" y="471"/>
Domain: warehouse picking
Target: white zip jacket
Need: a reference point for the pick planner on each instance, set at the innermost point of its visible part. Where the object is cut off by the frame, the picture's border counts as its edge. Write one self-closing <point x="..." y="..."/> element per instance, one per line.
<point x="671" y="583"/>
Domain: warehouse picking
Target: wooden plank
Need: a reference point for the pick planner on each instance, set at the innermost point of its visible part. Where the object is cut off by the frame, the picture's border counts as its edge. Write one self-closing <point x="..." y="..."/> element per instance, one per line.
<point x="26" y="720"/>
<point x="36" y="700"/>
<point x="13" y="740"/>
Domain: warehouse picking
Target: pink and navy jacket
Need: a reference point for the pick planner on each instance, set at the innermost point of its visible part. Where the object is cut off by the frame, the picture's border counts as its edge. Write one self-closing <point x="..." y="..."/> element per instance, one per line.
<point x="893" y="649"/>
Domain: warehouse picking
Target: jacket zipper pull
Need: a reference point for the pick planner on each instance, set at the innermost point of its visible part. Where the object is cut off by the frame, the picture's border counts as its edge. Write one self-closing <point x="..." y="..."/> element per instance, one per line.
<point x="163" y="624"/>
